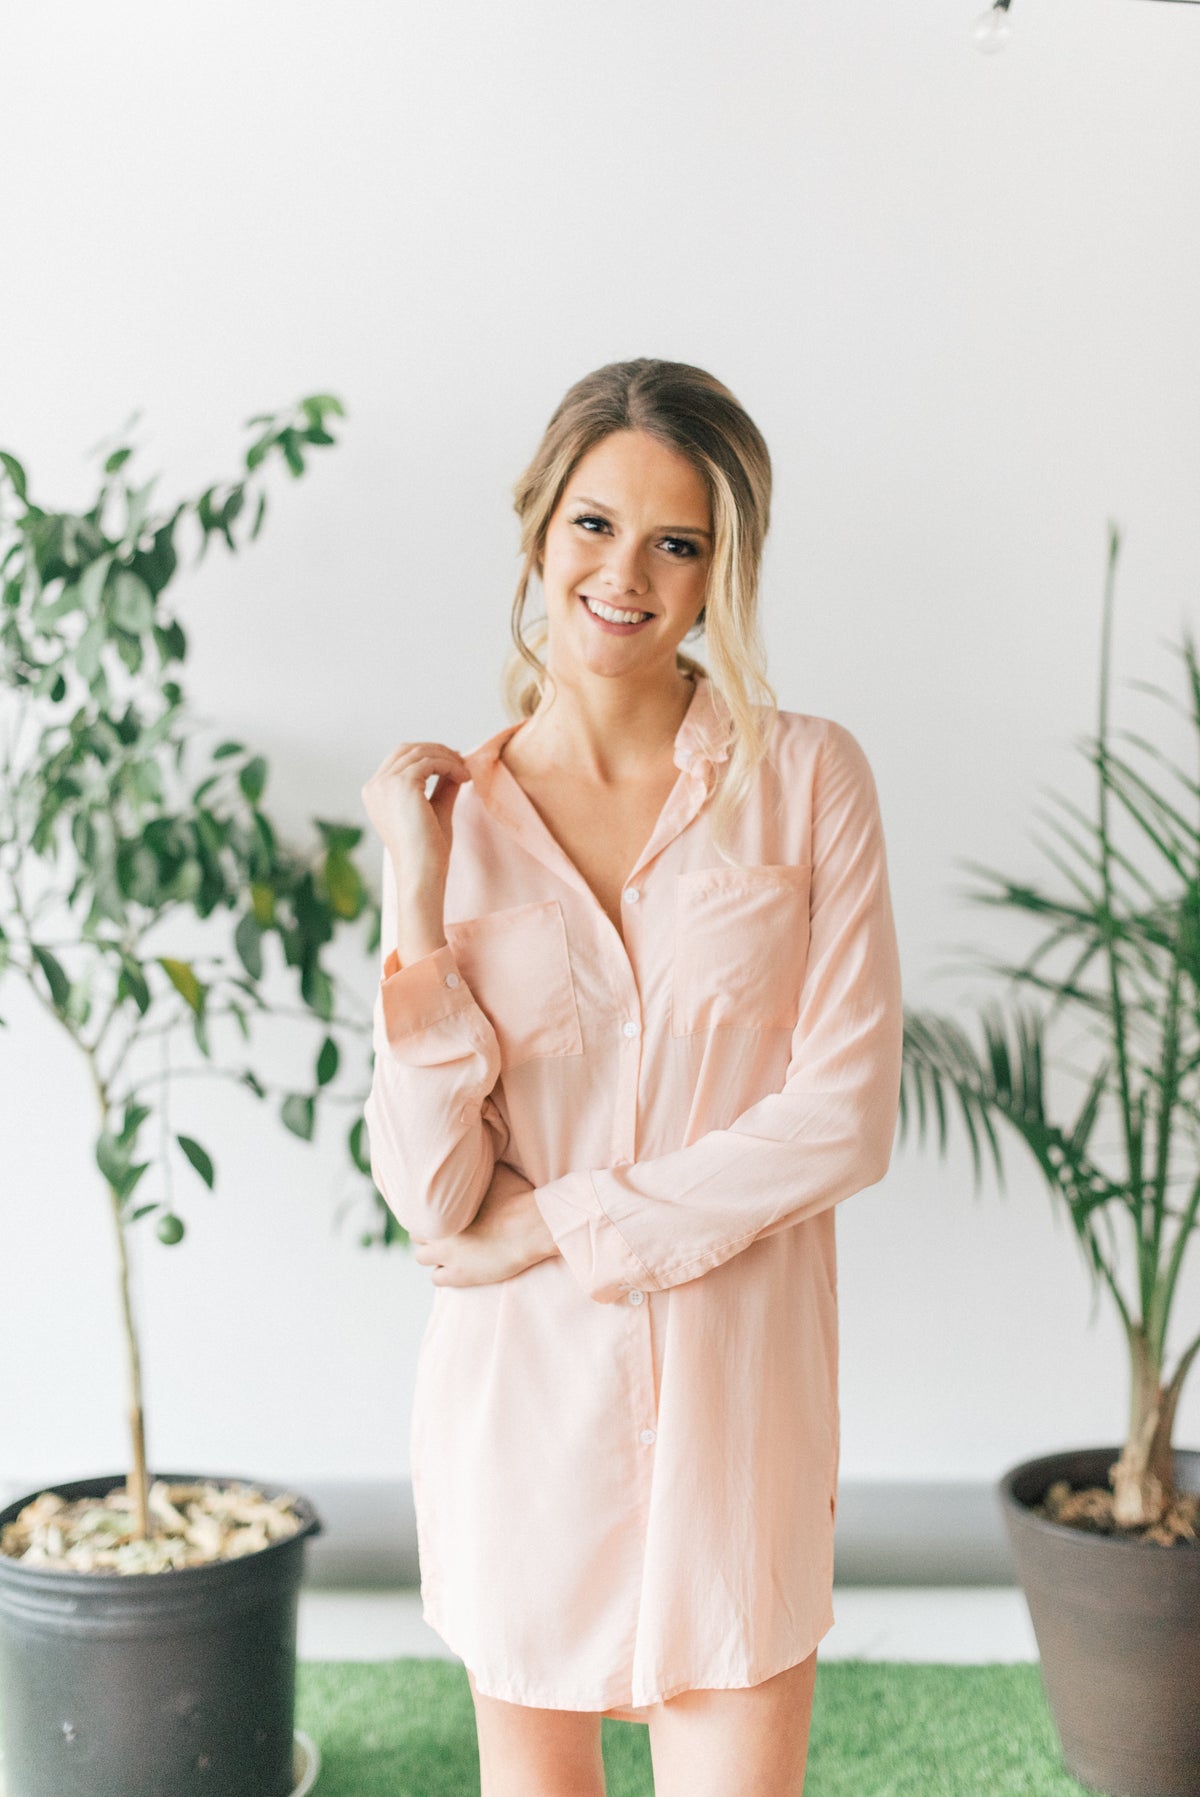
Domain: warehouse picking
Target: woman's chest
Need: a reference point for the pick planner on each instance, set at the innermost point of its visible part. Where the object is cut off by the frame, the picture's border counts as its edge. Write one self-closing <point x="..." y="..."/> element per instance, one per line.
<point x="602" y="833"/>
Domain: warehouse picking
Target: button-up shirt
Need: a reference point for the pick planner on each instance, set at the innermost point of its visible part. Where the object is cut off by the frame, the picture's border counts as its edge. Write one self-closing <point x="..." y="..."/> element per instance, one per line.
<point x="624" y="1458"/>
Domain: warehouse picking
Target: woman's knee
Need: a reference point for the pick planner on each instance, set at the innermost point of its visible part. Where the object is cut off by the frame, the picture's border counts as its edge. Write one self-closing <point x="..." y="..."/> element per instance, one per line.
<point x="528" y="1752"/>
<point x="736" y="1743"/>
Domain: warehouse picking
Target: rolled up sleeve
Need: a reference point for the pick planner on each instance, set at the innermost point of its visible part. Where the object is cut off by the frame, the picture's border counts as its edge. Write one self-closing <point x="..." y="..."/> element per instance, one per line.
<point x="434" y="1129"/>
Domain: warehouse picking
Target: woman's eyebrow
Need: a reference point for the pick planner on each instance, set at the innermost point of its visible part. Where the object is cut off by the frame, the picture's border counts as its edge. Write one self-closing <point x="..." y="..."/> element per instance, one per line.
<point x="676" y="530"/>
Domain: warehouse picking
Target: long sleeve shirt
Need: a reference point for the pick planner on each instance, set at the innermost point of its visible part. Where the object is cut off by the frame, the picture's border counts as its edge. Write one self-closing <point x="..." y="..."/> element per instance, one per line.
<point x="624" y="1459"/>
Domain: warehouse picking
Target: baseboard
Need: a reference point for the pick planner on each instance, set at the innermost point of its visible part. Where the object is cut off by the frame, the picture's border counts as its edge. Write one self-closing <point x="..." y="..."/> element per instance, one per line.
<point x="889" y="1532"/>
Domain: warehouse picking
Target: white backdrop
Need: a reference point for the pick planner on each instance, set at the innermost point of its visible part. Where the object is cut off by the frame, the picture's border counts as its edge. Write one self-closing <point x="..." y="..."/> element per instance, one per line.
<point x="958" y="294"/>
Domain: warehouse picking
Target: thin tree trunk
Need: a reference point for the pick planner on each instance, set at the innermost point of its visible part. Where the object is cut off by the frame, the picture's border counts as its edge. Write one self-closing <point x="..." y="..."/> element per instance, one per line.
<point x="136" y="1481"/>
<point x="1143" y="1478"/>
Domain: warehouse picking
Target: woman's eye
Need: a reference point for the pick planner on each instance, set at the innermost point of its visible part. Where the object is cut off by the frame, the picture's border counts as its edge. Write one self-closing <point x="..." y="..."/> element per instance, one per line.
<point x="681" y="543"/>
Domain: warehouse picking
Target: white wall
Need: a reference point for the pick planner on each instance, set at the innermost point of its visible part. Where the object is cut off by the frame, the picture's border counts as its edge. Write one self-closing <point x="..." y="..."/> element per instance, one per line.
<point x="959" y="295"/>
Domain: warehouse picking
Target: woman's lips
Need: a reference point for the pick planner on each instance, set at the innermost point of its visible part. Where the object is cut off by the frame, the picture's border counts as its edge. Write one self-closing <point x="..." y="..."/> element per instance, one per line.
<point x="608" y="624"/>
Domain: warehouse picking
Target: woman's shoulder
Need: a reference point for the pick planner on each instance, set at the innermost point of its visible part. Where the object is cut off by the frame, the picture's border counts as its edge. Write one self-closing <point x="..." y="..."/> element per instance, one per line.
<point x="803" y="738"/>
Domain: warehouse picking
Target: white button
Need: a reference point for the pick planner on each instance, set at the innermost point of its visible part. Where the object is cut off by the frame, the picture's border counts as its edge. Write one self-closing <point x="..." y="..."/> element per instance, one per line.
<point x="632" y="895"/>
<point x="637" y="1297"/>
<point x="630" y="1027"/>
<point x="647" y="1435"/>
<point x="452" y="979"/>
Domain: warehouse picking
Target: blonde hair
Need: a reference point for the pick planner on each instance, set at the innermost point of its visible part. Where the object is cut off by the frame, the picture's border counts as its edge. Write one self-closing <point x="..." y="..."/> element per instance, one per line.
<point x="691" y="412"/>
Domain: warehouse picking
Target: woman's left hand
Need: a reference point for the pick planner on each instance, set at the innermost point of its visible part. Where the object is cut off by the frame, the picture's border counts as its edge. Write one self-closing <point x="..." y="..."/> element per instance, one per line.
<point x="507" y="1235"/>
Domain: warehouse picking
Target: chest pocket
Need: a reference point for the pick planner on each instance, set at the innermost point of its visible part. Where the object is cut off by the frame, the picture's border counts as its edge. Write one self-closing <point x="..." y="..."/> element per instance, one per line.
<point x="741" y="947"/>
<point x="516" y="963"/>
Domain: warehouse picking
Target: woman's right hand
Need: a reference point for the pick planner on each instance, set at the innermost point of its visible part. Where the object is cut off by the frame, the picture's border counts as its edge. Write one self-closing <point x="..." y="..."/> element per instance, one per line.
<point x="416" y="831"/>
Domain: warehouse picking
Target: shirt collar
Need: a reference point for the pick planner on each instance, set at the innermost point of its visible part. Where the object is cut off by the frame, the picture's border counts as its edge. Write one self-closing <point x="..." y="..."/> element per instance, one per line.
<point x="701" y="741"/>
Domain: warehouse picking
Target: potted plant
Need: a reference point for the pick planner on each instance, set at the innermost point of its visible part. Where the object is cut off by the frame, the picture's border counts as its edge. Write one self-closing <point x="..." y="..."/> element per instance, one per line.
<point x="148" y="1632"/>
<point x="1105" y="1539"/>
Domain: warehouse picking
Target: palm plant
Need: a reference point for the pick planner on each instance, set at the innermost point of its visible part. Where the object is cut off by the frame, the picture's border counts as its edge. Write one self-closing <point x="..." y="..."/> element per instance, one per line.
<point x="108" y="839"/>
<point x="1131" y="936"/>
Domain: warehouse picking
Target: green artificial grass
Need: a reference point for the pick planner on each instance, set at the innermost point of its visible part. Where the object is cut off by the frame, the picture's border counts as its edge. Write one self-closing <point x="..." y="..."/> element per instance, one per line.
<point x="405" y="1728"/>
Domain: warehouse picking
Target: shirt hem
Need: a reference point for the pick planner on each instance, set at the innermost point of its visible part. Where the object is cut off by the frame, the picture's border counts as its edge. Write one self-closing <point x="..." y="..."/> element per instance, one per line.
<point x="618" y="1697"/>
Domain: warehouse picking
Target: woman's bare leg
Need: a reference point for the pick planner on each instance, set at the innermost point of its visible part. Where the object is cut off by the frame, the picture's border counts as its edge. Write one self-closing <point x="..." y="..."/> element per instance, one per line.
<point x="739" y="1743"/>
<point x="527" y="1752"/>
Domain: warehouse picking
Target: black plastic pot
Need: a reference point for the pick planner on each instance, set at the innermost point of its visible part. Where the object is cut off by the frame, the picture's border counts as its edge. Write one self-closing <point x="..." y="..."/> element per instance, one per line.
<point x="166" y="1684"/>
<point x="1118" y="1630"/>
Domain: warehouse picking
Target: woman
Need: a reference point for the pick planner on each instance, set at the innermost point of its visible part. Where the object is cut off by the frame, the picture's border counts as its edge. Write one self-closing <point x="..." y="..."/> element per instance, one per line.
<point x="638" y="1032"/>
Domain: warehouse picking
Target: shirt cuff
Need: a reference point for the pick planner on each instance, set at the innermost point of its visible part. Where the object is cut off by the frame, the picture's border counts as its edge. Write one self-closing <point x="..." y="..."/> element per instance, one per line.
<point x="592" y="1246"/>
<point x="422" y="993"/>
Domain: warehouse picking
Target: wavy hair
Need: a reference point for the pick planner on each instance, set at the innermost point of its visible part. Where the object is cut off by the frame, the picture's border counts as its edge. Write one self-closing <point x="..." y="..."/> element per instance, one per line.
<point x="693" y="413"/>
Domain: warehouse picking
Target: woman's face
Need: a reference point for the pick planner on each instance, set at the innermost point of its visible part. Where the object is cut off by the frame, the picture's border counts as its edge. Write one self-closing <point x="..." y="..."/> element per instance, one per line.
<point x="632" y="533"/>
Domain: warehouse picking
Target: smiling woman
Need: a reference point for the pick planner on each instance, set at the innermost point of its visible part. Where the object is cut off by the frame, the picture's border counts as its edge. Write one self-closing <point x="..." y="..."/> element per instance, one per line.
<point x="624" y="1073"/>
<point x="617" y="562"/>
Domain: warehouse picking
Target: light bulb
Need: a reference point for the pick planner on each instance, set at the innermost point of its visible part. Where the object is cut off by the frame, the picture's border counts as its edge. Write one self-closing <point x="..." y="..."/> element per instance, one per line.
<point x="992" y="28"/>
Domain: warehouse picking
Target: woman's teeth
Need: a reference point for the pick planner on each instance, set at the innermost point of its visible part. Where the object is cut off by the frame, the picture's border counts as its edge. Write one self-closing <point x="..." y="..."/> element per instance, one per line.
<point x="614" y="617"/>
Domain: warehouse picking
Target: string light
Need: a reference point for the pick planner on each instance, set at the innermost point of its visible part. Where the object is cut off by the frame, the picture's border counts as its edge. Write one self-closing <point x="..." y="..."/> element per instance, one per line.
<point x="993" y="28"/>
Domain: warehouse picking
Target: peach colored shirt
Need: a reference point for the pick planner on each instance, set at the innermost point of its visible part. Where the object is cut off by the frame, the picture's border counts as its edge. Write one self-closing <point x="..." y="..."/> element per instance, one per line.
<point x="624" y="1459"/>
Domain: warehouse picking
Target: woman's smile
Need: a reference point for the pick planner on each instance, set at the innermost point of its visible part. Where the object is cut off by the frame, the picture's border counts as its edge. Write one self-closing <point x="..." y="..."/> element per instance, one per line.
<point x="618" y="620"/>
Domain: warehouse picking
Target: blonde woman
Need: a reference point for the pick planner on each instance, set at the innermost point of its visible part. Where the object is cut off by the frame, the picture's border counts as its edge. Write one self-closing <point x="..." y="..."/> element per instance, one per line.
<point x="638" y="1032"/>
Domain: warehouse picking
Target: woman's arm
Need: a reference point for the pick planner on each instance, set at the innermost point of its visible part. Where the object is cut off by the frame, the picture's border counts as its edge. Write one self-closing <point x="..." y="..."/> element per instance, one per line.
<point x="828" y="1133"/>
<point x="435" y="1132"/>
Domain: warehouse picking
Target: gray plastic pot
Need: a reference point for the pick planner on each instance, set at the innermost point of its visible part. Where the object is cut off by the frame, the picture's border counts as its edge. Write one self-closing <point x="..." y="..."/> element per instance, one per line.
<point x="165" y="1684"/>
<point x="1118" y="1630"/>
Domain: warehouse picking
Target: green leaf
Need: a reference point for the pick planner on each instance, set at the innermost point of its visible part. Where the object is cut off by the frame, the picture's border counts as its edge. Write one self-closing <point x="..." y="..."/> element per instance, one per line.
<point x="15" y="472"/>
<point x="88" y="650"/>
<point x="253" y="778"/>
<point x="247" y="939"/>
<point x="258" y="516"/>
<point x="117" y="460"/>
<point x="346" y="890"/>
<point x="289" y="442"/>
<point x="129" y="648"/>
<point x="170" y="1229"/>
<point x="131" y="983"/>
<point x="299" y="1115"/>
<point x="184" y="980"/>
<point x="223" y="750"/>
<point x="172" y="644"/>
<point x="146" y="780"/>
<point x="199" y="1159"/>
<point x="132" y="604"/>
<point x="358" y="1153"/>
<point x="112" y="1158"/>
<point x="135" y="1116"/>
<point x="266" y="837"/>
<point x="339" y="838"/>
<point x="317" y="404"/>
<point x="316" y="989"/>
<point x="60" y="985"/>
<point x="255" y="1084"/>
<point x="262" y="898"/>
<point x="92" y="582"/>
<point x="327" y="1061"/>
<point x="130" y="1180"/>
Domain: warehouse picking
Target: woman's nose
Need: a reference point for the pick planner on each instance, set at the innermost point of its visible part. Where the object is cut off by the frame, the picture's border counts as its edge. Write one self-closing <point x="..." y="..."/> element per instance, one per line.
<point x="624" y="571"/>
